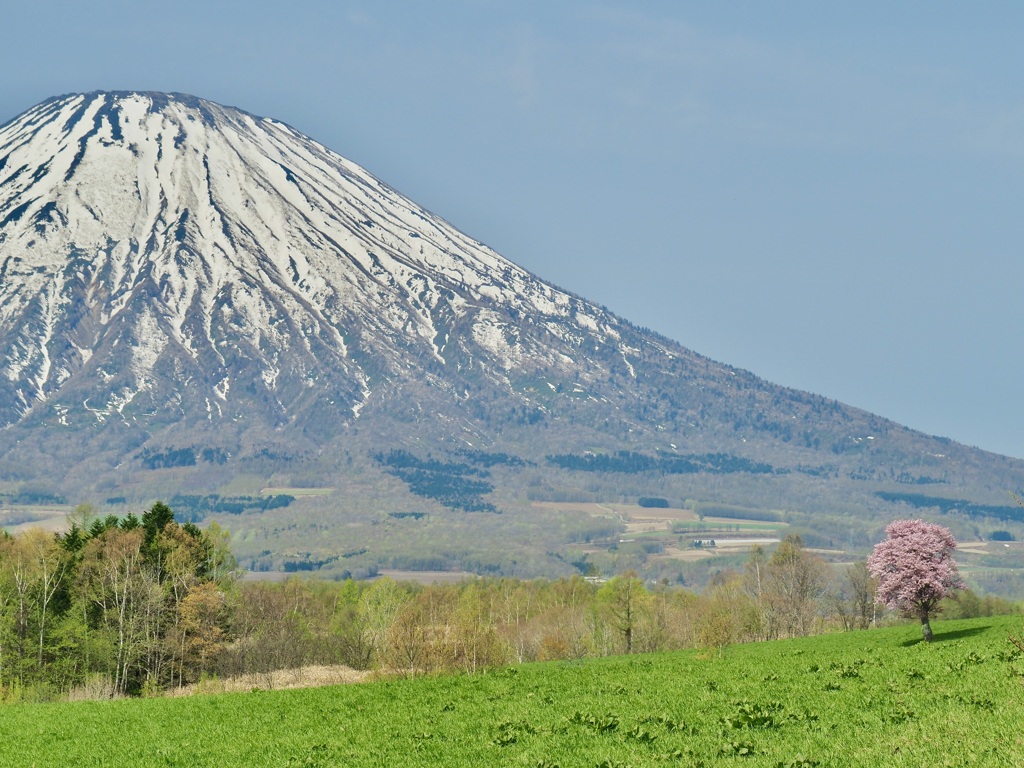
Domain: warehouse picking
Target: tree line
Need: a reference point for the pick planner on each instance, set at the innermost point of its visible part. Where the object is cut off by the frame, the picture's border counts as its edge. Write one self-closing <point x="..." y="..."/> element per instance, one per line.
<point x="453" y="484"/>
<point x="969" y="508"/>
<point x="140" y="605"/>
<point x="630" y="462"/>
<point x="412" y="629"/>
<point x="136" y="602"/>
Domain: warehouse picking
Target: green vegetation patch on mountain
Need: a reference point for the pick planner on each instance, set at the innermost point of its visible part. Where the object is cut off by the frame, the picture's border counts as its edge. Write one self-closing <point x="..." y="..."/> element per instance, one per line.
<point x="453" y="484"/>
<point x="869" y="698"/>
<point x="631" y="462"/>
<point x="30" y="497"/>
<point x="189" y="456"/>
<point x="969" y="508"/>
<point x="196" y="508"/>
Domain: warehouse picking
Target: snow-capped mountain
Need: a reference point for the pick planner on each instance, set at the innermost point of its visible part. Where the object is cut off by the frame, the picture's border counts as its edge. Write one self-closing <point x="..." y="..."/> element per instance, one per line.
<point x="149" y="238"/>
<point x="175" y="273"/>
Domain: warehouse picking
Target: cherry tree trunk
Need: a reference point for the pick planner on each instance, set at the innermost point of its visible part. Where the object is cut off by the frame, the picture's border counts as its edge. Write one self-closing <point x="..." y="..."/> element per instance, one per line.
<point x="926" y="628"/>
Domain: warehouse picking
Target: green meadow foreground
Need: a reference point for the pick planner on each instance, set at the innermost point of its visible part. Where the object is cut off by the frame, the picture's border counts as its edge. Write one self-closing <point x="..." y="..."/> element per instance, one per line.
<point x="869" y="698"/>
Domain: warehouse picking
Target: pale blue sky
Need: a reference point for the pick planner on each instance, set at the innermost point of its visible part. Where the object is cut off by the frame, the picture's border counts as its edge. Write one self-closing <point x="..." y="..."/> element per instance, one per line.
<point x="827" y="197"/>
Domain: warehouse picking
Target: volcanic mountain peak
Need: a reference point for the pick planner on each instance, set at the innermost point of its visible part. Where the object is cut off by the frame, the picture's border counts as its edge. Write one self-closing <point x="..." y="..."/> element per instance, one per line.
<point x="193" y="297"/>
<point x="175" y="227"/>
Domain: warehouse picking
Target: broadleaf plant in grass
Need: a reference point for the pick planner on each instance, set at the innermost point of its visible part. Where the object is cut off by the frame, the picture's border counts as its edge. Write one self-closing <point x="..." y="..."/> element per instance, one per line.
<point x="915" y="569"/>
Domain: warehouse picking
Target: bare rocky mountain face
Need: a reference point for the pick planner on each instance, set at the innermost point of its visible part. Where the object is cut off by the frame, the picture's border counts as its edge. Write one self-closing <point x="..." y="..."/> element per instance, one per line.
<point x="195" y="301"/>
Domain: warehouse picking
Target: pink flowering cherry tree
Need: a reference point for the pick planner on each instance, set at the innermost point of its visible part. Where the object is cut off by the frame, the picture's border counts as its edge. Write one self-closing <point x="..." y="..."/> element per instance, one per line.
<point x="915" y="569"/>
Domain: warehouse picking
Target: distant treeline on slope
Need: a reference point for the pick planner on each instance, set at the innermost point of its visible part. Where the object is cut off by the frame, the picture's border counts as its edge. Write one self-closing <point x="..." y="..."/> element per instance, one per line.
<point x="488" y="459"/>
<point x="180" y="457"/>
<point x="195" y="508"/>
<point x="32" y="498"/>
<point x="632" y="463"/>
<point x="653" y="502"/>
<point x="455" y="485"/>
<point x="733" y="512"/>
<point x="921" y="501"/>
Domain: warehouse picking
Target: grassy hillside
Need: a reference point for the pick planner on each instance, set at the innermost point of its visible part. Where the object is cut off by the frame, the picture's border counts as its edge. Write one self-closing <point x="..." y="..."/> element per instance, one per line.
<point x="870" y="698"/>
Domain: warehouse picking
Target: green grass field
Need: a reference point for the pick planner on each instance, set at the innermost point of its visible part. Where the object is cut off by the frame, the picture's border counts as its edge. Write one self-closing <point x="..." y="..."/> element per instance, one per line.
<point x="874" y="698"/>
